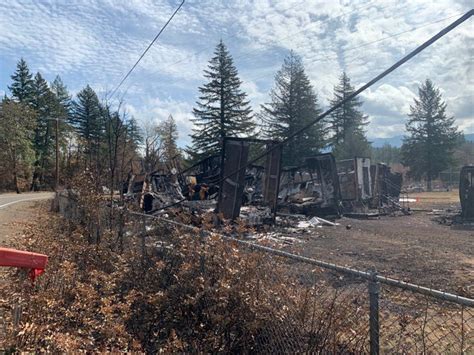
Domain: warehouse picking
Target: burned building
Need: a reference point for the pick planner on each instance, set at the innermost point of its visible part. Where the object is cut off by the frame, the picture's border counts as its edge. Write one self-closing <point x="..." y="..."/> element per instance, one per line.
<point x="386" y="187"/>
<point x="240" y="183"/>
<point x="312" y="189"/>
<point x="355" y="183"/>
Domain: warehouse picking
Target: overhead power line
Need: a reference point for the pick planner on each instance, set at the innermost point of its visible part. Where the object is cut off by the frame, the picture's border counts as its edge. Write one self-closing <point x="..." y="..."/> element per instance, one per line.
<point x="399" y="63"/>
<point x="267" y="43"/>
<point x="382" y="39"/>
<point x="395" y="66"/>
<point x="147" y="48"/>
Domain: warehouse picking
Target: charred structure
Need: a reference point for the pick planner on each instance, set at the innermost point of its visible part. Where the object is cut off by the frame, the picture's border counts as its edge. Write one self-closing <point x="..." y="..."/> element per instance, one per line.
<point x="312" y="189"/>
<point x="320" y="187"/>
<point x="254" y="184"/>
<point x="466" y="192"/>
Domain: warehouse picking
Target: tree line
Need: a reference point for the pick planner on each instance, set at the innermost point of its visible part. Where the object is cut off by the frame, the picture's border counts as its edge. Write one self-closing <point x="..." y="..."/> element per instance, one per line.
<point x="42" y="125"/>
<point x="91" y="134"/>
<point x="223" y="110"/>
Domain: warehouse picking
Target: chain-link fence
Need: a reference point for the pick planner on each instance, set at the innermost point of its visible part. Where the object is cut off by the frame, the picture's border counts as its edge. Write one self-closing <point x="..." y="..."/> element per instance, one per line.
<point x="238" y="295"/>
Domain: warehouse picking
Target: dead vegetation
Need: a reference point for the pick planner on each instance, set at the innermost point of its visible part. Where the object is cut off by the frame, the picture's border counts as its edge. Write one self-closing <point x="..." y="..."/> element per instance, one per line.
<point x="182" y="295"/>
<point x="173" y="291"/>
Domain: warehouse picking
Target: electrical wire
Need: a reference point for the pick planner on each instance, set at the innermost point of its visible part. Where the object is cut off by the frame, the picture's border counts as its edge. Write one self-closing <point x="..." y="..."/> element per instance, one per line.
<point x="146" y="50"/>
<point x="399" y="63"/>
<point x="330" y="58"/>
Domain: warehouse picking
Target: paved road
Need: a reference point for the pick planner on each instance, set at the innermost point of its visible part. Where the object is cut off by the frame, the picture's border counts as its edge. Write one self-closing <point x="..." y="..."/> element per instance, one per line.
<point x="9" y="199"/>
<point x="17" y="209"/>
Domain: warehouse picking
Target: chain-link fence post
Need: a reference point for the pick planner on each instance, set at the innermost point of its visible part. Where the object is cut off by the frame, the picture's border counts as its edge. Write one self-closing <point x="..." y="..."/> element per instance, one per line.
<point x="374" y="291"/>
<point x="143" y="238"/>
<point x="202" y="258"/>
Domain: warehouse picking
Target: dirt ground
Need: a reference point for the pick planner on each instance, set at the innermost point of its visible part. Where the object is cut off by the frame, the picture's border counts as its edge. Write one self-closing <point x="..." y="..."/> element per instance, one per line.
<point x="412" y="248"/>
<point x="13" y="220"/>
<point x="14" y="217"/>
<point x="447" y="199"/>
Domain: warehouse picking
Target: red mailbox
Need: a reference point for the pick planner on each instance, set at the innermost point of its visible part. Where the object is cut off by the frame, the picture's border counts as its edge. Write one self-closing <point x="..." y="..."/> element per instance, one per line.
<point x="24" y="259"/>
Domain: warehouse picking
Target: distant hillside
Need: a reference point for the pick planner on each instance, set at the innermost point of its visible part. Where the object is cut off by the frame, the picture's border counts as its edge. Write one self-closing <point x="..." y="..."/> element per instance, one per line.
<point x="396" y="141"/>
<point x="469" y="137"/>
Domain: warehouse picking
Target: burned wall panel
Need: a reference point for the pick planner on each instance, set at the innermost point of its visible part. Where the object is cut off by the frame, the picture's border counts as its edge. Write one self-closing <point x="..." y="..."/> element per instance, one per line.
<point x="355" y="179"/>
<point x="312" y="189"/>
<point x="234" y="159"/>
<point x="466" y="192"/>
<point x="271" y="182"/>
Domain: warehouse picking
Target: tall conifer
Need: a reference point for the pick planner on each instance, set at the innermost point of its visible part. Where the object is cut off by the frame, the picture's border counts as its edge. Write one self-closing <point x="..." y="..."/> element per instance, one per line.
<point x="222" y="109"/>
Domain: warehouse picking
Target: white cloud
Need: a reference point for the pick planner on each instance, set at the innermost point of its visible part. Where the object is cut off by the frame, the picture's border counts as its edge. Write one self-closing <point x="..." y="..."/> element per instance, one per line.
<point x="96" y="42"/>
<point x="157" y="110"/>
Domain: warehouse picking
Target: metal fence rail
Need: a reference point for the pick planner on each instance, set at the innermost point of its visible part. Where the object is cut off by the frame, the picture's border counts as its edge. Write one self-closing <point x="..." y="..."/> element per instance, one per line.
<point x="309" y="305"/>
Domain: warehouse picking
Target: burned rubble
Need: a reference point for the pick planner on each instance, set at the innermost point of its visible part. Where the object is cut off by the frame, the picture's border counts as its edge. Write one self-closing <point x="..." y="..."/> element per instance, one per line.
<point x="463" y="218"/>
<point x="265" y="193"/>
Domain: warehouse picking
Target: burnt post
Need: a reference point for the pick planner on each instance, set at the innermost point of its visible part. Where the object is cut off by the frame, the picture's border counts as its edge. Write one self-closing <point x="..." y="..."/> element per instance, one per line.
<point x="374" y="291"/>
<point x="234" y="159"/>
<point x="271" y="183"/>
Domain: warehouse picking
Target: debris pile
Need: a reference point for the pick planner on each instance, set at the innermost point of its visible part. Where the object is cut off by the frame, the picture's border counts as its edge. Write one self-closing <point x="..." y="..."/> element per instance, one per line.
<point x="226" y="186"/>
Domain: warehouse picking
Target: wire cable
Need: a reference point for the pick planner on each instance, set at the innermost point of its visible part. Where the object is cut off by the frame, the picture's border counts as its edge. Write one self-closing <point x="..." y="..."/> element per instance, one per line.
<point x="328" y="58"/>
<point x="146" y="50"/>
<point x="399" y="63"/>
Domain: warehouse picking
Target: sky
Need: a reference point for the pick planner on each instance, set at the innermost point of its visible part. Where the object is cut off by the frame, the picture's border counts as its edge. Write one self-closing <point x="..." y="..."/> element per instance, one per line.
<point x="97" y="42"/>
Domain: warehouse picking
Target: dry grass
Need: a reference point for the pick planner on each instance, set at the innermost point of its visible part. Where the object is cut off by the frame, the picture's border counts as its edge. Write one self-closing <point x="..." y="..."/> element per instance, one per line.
<point x="435" y="199"/>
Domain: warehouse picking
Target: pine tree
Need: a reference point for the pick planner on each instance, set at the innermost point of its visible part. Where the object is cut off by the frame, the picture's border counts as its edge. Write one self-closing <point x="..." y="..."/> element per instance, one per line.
<point x="432" y="136"/>
<point x="22" y="86"/>
<point x="347" y="123"/>
<point x="134" y="133"/>
<point x="61" y="121"/>
<point x="62" y="95"/>
<point x="45" y="104"/>
<point x="293" y="105"/>
<point x="17" y="121"/>
<point x="63" y="111"/>
<point x="88" y="122"/>
<point x="222" y="109"/>
<point x="169" y="136"/>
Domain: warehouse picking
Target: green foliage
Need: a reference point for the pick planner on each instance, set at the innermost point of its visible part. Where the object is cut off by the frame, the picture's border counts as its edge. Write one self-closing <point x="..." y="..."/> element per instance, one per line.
<point x="89" y="135"/>
<point x="293" y="105"/>
<point x="169" y="136"/>
<point x="22" y="86"/>
<point x="46" y="105"/>
<point x="387" y="154"/>
<point x="222" y="109"/>
<point x="17" y="121"/>
<point x="88" y="122"/>
<point x="134" y="133"/>
<point x="347" y="123"/>
<point x="432" y="136"/>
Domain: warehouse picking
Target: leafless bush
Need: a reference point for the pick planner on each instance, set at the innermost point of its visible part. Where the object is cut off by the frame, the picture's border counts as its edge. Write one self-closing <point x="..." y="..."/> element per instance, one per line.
<point x="171" y="289"/>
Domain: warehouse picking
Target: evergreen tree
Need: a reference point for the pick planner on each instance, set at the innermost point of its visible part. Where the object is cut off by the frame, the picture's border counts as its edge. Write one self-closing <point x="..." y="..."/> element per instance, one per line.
<point x="88" y="122"/>
<point x="169" y="136"/>
<point x="45" y="104"/>
<point x="293" y="105"/>
<point x="387" y="154"/>
<point x="63" y="111"/>
<point x="432" y="136"/>
<point x="62" y="95"/>
<point x="17" y="121"/>
<point x="222" y="109"/>
<point x="22" y="86"/>
<point x="134" y="133"/>
<point x="66" y="136"/>
<point x="347" y="123"/>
